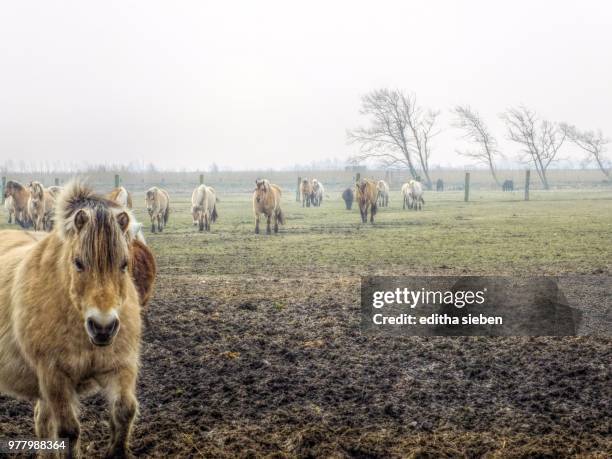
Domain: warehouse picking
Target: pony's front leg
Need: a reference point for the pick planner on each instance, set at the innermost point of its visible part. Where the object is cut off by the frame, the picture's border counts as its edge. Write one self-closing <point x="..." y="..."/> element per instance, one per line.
<point x="160" y="222"/>
<point x="152" y="223"/>
<point x="257" y="224"/>
<point x="275" y="224"/>
<point x="124" y="407"/>
<point x="42" y="420"/>
<point x="268" y="221"/>
<point x="59" y="403"/>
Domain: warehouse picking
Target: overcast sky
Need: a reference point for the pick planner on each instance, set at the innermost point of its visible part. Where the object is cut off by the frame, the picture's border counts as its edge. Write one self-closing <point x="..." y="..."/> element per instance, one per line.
<point x="259" y="84"/>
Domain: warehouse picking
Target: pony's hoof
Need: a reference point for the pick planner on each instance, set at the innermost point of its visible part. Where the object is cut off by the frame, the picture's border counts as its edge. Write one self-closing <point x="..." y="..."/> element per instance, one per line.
<point x="117" y="454"/>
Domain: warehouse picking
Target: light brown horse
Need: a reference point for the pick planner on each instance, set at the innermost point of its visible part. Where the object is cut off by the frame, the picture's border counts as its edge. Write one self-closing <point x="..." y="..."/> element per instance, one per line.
<point x="158" y="206"/>
<point x="20" y="196"/>
<point x="266" y="201"/>
<point x="367" y="196"/>
<point x="41" y="206"/>
<point x="306" y="191"/>
<point x="121" y="196"/>
<point x="70" y="316"/>
<point x="36" y="205"/>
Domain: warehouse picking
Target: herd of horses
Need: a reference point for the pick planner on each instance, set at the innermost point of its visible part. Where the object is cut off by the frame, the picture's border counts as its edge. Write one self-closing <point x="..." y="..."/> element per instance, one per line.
<point x="33" y="205"/>
<point x="72" y="291"/>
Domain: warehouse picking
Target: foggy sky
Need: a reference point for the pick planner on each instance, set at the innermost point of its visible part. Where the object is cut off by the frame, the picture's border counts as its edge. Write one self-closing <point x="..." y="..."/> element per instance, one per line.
<point x="269" y="84"/>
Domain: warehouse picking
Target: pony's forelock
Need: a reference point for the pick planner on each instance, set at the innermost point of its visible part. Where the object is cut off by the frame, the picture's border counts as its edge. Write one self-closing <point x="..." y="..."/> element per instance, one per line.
<point x="100" y="241"/>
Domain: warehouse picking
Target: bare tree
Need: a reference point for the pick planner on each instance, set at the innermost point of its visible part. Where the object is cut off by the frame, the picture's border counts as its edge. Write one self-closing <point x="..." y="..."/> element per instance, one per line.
<point x="476" y="131"/>
<point x="541" y="139"/>
<point x="593" y="143"/>
<point x="399" y="134"/>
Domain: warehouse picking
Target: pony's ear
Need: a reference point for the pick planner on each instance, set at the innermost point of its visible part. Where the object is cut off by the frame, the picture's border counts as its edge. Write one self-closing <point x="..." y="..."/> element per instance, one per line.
<point x="144" y="270"/>
<point x="124" y="221"/>
<point x="80" y="219"/>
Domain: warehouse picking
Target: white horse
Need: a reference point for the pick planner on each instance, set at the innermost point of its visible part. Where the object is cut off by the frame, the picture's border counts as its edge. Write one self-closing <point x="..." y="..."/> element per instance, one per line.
<point x="383" y="193"/>
<point x="416" y="194"/>
<point x="406" y="196"/>
<point x="9" y="206"/>
<point x="317" y="193"/>
<point x="204" y="207"/>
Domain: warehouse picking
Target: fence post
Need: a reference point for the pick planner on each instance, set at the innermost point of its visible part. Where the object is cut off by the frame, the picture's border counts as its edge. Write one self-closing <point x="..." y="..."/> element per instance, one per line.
<point x="201" y="179"/>
<point x="297" y="190"/>
<point x="527" y="177"/>
<point x="117" y="180"/>
<point x="56" y="181"/>
<point x="466" y="197"/>
<point x="3" y="188"/>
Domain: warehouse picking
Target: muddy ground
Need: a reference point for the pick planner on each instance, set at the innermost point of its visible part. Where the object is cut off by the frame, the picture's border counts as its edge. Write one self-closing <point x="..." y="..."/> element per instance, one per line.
<point x="248" y="367"/>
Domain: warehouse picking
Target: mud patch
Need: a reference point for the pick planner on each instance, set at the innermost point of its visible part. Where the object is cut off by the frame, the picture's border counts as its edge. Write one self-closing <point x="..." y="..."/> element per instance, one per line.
<point x="240" y="366"/>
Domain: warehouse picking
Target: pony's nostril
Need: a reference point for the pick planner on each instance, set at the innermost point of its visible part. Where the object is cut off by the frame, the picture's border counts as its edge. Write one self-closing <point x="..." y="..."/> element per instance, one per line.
<point x="91" y="326"/>
<point x="111" y="329"/>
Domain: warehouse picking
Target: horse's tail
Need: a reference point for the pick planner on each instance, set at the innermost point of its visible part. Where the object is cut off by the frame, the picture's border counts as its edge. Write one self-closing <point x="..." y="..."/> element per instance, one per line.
<point x="280" y="216"/>
<point x="214" y="215"/>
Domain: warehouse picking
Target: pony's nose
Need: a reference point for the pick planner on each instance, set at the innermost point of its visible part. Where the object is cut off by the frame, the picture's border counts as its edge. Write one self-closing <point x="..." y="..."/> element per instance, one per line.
<point x="102" y="334"/>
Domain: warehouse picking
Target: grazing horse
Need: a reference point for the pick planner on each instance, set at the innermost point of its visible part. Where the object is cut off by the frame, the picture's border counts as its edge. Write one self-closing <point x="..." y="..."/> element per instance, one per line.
<point x="9" y="206"/>
<point x="70" y="320"/>
<point x="348" y="195"/>
<point x="383" y="193"/>
<point x="20" y="196"/>
<point x="416" y="194"/>
<point x="204" y="206"/>
<point x="440" y="185"/>
<point x="316" y="196"/>
<point x="306" y="192"/>
<point x="508" y="185"/>
<point x="407" y="200"/>
<point x="121" y="196"/>
<point x="367" y="197"/>
<point x="266" y="201"/>
<point x="158" y="206"/>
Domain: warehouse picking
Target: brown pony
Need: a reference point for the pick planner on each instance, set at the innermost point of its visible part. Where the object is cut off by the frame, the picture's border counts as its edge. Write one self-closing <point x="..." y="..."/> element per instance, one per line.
<point x="40" y="207"/>
<point x="306" y="191"/>
<point x="367" y="195"/>
<point x="20" y="196"/>
<point x="70" y="316"/>
<point x="266" y="201"/>
<point x="121" y="196"/>
<point x="158" y="206"/>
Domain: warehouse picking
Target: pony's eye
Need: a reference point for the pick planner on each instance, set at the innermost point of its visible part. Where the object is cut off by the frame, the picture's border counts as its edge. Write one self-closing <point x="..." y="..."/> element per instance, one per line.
<point x="78" y="264"/>
<point x="124" y="267"/>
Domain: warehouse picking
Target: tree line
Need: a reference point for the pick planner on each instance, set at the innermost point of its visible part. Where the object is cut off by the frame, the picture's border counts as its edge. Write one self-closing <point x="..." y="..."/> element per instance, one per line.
<point x="400" y="131"/>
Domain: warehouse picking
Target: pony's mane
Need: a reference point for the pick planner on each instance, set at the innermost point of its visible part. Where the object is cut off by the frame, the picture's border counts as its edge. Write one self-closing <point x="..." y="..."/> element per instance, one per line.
<point x="15" y="184"/>
<point x="37" y="189"/>
<point x="103" y="245"/>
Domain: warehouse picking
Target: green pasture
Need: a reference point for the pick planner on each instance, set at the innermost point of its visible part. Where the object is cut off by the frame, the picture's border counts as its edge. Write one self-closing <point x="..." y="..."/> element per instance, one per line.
<point x="555" y="232"/>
